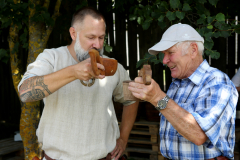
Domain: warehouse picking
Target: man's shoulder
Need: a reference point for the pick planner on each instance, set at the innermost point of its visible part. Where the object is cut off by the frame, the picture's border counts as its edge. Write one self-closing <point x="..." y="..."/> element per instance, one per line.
<point x="217" y="76"/>
<point x="54" y="50"/>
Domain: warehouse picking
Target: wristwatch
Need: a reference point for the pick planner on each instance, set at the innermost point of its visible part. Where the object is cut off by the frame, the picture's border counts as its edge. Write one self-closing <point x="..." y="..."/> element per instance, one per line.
<point x="162" y="104"/>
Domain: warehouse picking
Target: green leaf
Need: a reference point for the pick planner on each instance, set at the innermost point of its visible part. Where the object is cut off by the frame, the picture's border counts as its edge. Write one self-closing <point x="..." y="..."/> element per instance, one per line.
<point x="237" y="28"/>
<point x="201" y="9"/>
<point x="174" y="3"/>
<point x="186" y="7"/>
<point x="162" y="25"/>
<point x="2" y="3"/>
<point x="160" y="19"/>
<point x="180" y="15"/>
<point x="140" y="63"/>
<point x="210" y="19"/>
<point x="215" y="55"/>
<point x="210" y="26"/>
<point x="220" y="17"/>
<point x="208" y="36"/>
<point x="225" y="34"/>
<point x="132" y="17"/>
<point x="108" y="48"/>
<point x="213" y="2"/>
<point x="202" y="1"/>
<point x="208" y="45"/>
<point x="146" y="25"/>
<point x="207" y="52"/>
<point x="160" y="57"/>
<point x="155" y="61"/>
<point x="139" y="20"/>
<point x="149" y="20"/>
<point x="201" y="31"/>
<point x="164" y="5"/>
<point x="171" y="15"/>
<point x="201" y="20"/>
<point x="148" y="56"/>
<point x="141" y="6"/>
<point x="6" y="24"/>
<point x="216" y="34"/>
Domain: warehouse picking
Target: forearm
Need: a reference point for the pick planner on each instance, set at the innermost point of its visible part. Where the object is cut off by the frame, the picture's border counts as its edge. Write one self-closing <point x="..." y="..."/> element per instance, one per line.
<point x="38" y="87"/>
<point x="128" y="118"/>
<point x="184" y="123"/>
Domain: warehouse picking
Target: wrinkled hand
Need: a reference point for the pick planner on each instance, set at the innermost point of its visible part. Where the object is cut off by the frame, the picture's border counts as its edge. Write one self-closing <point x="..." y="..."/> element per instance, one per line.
<point x="83" y="70"/>
<point x="150" y="93"/>
<point x="119" y="149"/>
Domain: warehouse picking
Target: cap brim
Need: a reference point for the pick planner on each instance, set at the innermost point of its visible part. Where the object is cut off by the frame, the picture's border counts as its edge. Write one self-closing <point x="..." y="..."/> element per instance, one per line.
<point x="161" y="46"/>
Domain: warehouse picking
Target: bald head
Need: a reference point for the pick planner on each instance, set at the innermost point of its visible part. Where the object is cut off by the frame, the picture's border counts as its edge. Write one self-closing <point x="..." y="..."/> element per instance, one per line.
<point x="81" y="14"/>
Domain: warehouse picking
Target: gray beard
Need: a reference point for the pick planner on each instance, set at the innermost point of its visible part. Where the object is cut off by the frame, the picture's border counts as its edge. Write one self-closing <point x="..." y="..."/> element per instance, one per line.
<point x="81" y="53"/>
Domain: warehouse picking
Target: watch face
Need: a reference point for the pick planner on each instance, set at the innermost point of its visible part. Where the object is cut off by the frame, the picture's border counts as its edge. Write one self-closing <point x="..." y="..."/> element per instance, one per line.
<point x="161" y="103"/>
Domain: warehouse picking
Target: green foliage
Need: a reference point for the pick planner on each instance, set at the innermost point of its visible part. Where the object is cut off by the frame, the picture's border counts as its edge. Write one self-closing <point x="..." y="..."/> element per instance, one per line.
<point x="148" y="58"/>
<point x="193" y="12"/>
<point x="106" y="46"/>
<point x="18" y="14"/>
<point x="42" y="15"/>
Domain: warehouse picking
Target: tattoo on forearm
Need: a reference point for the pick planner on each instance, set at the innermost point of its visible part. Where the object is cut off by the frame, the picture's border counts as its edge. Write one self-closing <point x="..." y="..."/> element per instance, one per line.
<point x="34" y="93"/>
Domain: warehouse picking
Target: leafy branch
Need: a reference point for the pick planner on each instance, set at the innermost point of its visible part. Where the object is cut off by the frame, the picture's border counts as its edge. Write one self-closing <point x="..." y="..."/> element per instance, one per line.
<point x="192" y="12"/>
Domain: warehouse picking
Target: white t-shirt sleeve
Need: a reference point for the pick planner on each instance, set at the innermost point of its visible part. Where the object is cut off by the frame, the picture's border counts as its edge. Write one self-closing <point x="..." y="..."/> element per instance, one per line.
<point x="236" y="79"/>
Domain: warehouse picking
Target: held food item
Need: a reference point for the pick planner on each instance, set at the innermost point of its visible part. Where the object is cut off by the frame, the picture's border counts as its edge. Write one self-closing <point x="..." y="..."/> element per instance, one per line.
<point x="110" y="65"/>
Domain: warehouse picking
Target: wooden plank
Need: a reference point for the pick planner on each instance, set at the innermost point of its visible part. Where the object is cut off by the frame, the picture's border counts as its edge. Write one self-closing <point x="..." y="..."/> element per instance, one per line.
<point x="141" y="141"/>
<point x="140" y="150"/>
<point x="142" y="132"/>
<point x="11" y="149"/>
<point x="9" y="146"/>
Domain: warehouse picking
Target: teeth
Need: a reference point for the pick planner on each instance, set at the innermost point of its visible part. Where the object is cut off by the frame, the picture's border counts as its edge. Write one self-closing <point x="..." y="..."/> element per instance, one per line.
<point x="172" y="67"/>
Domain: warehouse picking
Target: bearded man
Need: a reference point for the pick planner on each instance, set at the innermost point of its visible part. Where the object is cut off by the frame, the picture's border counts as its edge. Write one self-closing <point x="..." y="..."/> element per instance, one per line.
<point x="78" y="120"/>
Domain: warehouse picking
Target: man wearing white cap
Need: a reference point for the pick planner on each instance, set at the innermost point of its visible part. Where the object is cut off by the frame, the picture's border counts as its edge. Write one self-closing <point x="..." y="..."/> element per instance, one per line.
<point x="197" y="114"/>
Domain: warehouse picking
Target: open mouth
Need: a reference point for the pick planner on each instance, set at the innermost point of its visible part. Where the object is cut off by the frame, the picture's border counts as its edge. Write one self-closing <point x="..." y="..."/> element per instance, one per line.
<point x="172" y="67"/>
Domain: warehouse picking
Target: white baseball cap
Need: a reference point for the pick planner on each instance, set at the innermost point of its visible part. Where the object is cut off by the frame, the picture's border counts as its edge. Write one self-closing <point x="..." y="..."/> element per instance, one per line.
<point x="174" y="34"/>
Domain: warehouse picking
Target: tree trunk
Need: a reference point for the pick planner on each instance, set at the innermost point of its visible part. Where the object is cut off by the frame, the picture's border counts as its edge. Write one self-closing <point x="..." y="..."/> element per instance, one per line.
<point x="38" y="37"/>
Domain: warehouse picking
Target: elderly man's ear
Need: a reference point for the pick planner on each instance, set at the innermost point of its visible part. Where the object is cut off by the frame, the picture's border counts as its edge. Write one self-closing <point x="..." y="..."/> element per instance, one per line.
<point x="194" y="50"/>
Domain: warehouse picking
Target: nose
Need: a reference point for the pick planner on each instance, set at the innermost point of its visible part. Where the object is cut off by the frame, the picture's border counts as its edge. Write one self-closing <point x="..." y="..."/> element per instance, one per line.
<point x="165" y="59"/>
<point x="97" y="43"/>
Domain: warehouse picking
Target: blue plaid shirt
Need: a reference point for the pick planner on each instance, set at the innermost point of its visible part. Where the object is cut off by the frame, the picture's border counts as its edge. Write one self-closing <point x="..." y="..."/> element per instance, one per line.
<point x="211" y="97"/>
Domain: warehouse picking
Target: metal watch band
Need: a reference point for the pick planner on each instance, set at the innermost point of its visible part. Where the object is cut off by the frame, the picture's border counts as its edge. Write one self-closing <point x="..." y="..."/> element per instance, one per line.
<point x="162" y="104"/>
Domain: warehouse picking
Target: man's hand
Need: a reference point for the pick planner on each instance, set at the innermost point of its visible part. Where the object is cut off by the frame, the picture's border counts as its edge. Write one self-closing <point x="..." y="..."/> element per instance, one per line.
<point x="83" y="70"/>
<point x="151" y="93"/>
<point x="119" y="149"/>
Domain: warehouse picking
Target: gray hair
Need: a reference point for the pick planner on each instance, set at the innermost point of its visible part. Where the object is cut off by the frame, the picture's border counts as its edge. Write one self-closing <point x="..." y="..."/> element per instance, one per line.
<point x="79" y="15"/>
<point x="185" y="45"/>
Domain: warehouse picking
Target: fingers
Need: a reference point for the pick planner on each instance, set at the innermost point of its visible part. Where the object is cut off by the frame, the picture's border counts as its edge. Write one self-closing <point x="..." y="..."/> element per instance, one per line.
<point x="142" y="91"/>
<point x="118" y="150"/>
<point x="85" y="71"/>
<point x="138" y="80"/>
<point x="100" y="66"/>
<point x="116" y="153"/>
